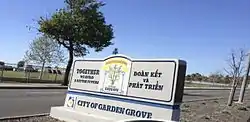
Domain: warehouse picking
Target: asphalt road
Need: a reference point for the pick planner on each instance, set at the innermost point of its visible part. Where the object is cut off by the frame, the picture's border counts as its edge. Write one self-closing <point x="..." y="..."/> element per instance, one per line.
<point x="25" y="102"/>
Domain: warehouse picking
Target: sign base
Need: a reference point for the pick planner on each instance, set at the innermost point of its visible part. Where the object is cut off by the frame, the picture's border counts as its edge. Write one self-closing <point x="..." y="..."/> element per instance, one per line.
<point x="68" y="115"/>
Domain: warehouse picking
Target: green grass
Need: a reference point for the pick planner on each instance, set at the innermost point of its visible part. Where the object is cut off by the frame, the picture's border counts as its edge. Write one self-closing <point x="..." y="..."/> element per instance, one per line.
<point x="33" y="75"/>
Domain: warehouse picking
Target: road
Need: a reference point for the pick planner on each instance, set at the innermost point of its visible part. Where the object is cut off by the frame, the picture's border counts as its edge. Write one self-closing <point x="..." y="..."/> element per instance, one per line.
<point x="25" y="102"/>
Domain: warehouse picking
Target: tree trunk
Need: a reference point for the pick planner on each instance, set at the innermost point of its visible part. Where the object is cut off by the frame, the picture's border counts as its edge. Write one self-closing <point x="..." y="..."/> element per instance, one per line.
<point x="2" y="68"/>
<point x="231" y="96"/>
<point x="56" y="75"/>
<point x="70" y="61"/>
<point x="41" y="73"/>
<point x="244" y="83"/>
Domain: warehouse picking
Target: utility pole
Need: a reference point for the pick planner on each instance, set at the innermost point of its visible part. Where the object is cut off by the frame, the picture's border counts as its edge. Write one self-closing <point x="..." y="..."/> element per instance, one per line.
<point x="244" y="83"/>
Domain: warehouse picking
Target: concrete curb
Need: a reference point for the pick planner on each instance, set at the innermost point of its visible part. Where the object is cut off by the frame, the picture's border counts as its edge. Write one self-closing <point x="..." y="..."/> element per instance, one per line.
<point x="205" y="88"/>
<point x="23" y="116"/>
<point x="33" y="87"/>
<point x="195" y="100"/>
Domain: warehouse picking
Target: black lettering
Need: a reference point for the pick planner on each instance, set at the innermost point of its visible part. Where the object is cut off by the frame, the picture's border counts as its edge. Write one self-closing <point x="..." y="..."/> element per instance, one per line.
<point x="152" y="74"/>
<point x="79" y="102"/>
<point x="117" y="110"/>
<point x="137" y="85"/>
<point x="144" y="114"/>
<point x="92" y="105"/>
<point x="159" y="74"/>
<point x="132" y="112"/>
<point x="141" y="85"/>
<point x="141" y="73"/>
<point x="95" y="105"/>
<point x="146" y="86"/>
<point x="84" y="103"/>
<point x="134" y="85"/>
<point x="87" y="104"/>
<point x="135" y="73"/>
<point x="149" y="86"/>
<point x="122" y="110"/>
<point x="154" y="87"/>
<point x="100" y="106"/>
<point x="130" y="84"/>
<point x="113" y="108"/>
<point x="145" y="80"/>
<point x="104" y="107"/>
<point x="97" y="72"/>
<point x="108" y="108"/>
<point x="149" y="115"/>
<point x="138" y="113"/>
<point x="160" y="87"/>
<point x="127" y="112"/>
<point x="77" y="71"/>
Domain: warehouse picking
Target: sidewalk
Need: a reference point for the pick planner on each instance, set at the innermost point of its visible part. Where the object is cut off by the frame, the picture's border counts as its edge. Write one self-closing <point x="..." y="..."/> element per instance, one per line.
<point x="31" y="86"/>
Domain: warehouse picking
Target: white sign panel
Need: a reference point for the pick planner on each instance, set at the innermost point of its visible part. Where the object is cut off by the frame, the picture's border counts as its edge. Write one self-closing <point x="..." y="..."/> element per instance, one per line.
<point x="121" y="88"/>
<point x="86" y="75"/>
<point x="153" y="78"/>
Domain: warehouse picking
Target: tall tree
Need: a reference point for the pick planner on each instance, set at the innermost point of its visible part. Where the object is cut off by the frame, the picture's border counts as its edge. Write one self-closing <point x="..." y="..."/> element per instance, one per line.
<point x="78" y="26"/>
<point x="115" y="51"/>
<point x="20" y="64"/>
<point x="44" y="50"/>
<point x="235" y="70"/>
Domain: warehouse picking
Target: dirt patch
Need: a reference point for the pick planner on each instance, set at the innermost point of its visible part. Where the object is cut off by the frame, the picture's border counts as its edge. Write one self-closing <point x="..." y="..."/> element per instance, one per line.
<point x="216" y="111"/>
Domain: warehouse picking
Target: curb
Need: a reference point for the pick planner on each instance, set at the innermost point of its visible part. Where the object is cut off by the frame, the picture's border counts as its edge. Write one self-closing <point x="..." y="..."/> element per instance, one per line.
<point x="23" y="116"/>
<point x="207" y="88"/>
<point x="33" y="87"/>
<point x="196" y="100"/>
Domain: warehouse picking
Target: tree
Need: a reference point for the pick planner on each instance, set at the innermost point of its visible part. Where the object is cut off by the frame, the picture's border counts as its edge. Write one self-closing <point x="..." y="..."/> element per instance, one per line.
<point x="235" y="70"/>
<point x="216" y="77"/>
<point x="2" y="63"/>
<point x="43" y="50"/>
<point x="78" y="26"/>
<point x="115" y="51"/>
<point x="20" y="64"/>
<point x="188" y="78"/>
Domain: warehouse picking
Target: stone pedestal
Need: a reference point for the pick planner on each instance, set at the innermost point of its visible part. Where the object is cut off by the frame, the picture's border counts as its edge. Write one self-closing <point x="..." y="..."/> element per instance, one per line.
<point x="69" y="115"/>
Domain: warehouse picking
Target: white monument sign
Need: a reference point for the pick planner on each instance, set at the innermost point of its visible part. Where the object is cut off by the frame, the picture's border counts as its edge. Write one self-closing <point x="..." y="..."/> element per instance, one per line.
<point x="119" y="88"/>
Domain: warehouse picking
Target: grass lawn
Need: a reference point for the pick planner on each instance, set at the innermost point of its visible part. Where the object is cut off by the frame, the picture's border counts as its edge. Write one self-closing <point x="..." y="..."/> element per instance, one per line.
<point x="33" y="75"/>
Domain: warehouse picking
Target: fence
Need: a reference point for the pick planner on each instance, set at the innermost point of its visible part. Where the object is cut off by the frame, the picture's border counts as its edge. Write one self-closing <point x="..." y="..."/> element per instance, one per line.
<point x="30" y="74"/>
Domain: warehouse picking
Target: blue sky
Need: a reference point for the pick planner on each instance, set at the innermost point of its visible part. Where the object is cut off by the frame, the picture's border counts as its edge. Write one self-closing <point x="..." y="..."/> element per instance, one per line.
<point x="202" y="32"/>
